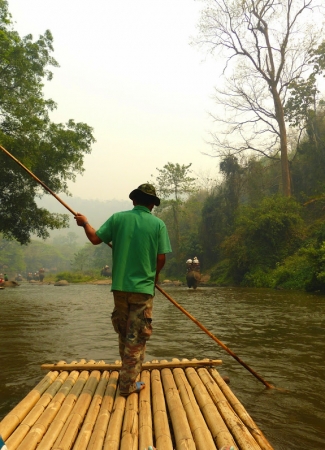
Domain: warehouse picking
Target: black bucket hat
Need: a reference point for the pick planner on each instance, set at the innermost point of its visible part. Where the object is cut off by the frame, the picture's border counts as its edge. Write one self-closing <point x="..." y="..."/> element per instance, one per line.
<point x="147" y="189"/>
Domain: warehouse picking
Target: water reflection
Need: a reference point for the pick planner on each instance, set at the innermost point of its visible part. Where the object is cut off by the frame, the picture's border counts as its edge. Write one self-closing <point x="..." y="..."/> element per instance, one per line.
<point x="279" y="334"/>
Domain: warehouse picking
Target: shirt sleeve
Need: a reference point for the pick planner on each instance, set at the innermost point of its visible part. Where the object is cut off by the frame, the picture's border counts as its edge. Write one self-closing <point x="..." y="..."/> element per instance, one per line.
<point x="105" y="231"/>
<point x="164" y="242"/>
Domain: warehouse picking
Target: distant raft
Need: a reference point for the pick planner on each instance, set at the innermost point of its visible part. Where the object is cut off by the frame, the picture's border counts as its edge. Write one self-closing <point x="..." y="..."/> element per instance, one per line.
<point x="185" y="405"/>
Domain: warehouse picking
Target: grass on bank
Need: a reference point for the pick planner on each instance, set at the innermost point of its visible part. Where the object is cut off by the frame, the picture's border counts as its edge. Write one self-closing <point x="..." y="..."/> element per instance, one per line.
<point x="79" y="277"/>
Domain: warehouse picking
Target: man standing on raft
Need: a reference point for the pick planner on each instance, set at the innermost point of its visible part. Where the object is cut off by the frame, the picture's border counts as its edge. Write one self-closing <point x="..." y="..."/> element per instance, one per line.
<point x="140" y="242"/>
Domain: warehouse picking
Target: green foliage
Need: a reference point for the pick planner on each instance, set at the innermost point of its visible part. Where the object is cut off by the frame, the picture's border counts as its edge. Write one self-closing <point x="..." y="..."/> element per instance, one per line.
<point x="308" y="168"/>
<point x="91" y="257"/>
<point x="174" y="184"/>
<point x="215" y="226"/>
<point x="301" y="101"/>
<point x="257" y="278"/>
<point x="264" y="236"/>
<point x="294" y="273"/>
<point x="220" y="273"/>
<point x="74" y="277"/>
<point x="11" y="256"/>
<point x="314" y="253"/>
<point x="30" y="258"/>
<point x="39" y="254"/>
<point x="53" y="152"/>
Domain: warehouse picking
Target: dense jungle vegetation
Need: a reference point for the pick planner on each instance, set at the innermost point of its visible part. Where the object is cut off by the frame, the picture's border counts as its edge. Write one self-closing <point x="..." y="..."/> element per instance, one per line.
<point x="244" y="231"/>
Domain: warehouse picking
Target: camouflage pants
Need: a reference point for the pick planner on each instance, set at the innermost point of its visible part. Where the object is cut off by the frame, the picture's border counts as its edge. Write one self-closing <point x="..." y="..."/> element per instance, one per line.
<point x="131" y="318"/>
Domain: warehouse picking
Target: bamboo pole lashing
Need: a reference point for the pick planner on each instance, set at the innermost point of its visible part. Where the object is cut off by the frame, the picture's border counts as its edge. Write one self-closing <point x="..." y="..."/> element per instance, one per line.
<point x="220" y="433"/>
<point x="98" y="436"/>
<point x="146" y="365"/>
<point x="239" y="431"/>
<point x="159" y="412"/>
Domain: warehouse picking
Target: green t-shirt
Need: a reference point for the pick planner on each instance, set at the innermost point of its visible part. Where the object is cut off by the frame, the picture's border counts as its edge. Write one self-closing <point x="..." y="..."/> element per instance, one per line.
<point x="137" y="238"/>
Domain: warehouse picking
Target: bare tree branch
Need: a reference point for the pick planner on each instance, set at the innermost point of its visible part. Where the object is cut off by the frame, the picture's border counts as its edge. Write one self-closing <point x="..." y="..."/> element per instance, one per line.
<point x="266" y="46"/>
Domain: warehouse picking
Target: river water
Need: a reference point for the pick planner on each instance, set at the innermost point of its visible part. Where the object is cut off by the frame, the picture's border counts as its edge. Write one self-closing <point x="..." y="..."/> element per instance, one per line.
<point x="279" y="334"/>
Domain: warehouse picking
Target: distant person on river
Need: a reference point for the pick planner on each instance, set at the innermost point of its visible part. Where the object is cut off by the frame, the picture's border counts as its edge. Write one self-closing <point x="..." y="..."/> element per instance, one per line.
<point x="196" y="264"/>
<point x="140" y="242"/>
<point x="6" y="277"/>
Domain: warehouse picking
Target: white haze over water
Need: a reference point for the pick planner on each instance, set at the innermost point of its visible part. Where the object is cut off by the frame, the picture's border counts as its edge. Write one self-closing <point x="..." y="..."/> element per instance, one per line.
<point x="127" y="70"/>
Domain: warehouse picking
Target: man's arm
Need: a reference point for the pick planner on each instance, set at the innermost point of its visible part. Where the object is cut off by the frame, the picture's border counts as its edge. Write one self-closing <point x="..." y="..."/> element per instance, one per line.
<point x="160" y="264"/>
<point x="89" y="230"/>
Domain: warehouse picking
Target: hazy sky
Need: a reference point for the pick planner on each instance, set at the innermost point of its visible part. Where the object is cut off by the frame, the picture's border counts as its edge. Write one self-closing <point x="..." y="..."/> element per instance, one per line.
<point x="127" y="70"/>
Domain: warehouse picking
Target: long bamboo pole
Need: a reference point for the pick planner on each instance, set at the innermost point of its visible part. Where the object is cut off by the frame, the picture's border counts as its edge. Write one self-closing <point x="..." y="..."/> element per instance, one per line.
<point x="38" y="180"/>
<point x="268" y="385"/>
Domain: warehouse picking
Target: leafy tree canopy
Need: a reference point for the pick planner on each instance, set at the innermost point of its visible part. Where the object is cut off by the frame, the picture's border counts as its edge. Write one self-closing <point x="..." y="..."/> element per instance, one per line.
<point x="174" y="185"/>
<point x="52" y="151"/>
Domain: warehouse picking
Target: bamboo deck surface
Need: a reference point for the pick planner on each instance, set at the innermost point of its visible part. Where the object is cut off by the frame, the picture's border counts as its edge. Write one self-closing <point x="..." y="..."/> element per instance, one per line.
<point x="186" y="405"/>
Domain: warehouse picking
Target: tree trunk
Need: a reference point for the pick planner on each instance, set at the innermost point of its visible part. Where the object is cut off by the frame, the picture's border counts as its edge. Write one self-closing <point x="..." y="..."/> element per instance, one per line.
<point x="279" y="114"/>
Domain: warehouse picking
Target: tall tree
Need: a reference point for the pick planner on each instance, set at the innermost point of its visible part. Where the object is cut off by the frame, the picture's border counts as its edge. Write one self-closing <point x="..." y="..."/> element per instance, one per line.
<point x="53" y="151"/>
<point x="174" y="184"/>
<point x="267" y="45"/>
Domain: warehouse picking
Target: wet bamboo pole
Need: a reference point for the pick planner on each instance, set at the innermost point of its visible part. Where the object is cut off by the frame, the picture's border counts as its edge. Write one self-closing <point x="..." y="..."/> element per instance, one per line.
<point x="14" y="441"/>
<point x="85" y="433"/>
<point x="112" y="439"/>
<point x="181" y="429"/>
<point x="130" y="428"/>
<point x="256" y="375"/>
<point x="98" y="436"/>
<point x="75" y="419"/>
<point x="38" y="431"/>
<point x="145" y="412"/>
<point x="220" y="433"/>
<point x="241" y="434"/>
<point x="159" y="412"/>
<point x="16" y="416"/>
<point x="60" y="419"/>
<point x="241" y="411"/>
<point x="201" y="433"/>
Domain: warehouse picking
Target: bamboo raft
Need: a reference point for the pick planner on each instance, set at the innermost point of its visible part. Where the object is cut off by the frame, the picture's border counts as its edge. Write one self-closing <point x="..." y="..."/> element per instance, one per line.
<point x="186" y="405"/>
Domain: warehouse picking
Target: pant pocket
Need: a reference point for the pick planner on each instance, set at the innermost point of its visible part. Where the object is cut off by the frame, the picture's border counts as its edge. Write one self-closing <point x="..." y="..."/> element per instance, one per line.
<point x="146" y="328"/>
<point x="119" y="322"/>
